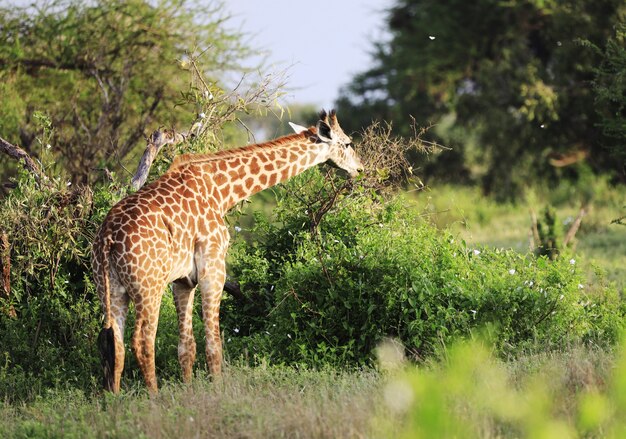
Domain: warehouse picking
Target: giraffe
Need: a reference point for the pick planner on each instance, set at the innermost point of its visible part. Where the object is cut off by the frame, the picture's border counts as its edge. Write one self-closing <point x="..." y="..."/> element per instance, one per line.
<point x="173" y="231"/>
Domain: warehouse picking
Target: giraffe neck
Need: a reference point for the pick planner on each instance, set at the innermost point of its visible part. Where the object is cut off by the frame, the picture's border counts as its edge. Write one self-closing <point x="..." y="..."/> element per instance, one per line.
<point x="237" y="174"/>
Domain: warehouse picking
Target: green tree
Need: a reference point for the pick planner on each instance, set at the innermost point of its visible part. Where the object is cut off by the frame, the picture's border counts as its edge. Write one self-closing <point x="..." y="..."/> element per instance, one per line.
<point x="104" y="72"/>
<point x="508" y="84"/>
<point x="610" y="88"/>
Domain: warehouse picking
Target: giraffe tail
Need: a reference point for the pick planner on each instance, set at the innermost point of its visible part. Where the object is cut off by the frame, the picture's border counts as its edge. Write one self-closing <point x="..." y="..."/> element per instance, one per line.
<point x="106" y="338"/>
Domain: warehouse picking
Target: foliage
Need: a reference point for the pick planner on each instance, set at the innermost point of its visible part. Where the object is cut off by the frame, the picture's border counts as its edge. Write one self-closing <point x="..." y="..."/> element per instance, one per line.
<point x="610" y="87"/>
<point x="328" y="292"/>
<point x="549" y="235"/>
<point x="104" y="72"/>
<point x="482" y="222"/>
<point x="51" y="318"/>
<point x="507" y="83"/>
<point x="326" y="277"/>
<point x="50" y="228"/>
<point x="471" y="394"/>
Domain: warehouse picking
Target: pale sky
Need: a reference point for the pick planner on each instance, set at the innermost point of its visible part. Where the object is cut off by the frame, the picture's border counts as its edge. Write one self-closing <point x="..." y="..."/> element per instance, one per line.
<point x="324" y="41"/>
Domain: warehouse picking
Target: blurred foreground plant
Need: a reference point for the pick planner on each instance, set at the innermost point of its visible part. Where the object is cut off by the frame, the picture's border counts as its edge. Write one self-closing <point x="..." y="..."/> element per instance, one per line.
<point x="471" y="394"/>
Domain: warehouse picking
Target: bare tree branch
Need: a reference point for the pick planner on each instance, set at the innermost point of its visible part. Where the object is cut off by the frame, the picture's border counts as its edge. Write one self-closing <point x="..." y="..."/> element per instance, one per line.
<point x="232" y="287"/>
<point x="155" y="143"/>
<point x="575" y="226"/>
<point x="19" y="154"/>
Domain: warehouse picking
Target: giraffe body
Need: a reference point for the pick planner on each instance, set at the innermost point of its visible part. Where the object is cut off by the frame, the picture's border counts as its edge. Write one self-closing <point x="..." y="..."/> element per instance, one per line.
<point x="173" y="231"/>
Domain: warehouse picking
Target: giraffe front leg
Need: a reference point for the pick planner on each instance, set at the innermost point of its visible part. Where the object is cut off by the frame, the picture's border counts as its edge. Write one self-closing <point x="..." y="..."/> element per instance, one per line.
<point x="183" y="299"/>
<point x="212" y="274"/>
<point x="211" y="289"/>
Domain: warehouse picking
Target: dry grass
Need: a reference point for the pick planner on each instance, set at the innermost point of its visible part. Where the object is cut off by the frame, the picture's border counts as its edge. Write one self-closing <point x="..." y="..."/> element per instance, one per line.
<point x="256" y="402"/>
<point x="276" y="402"/>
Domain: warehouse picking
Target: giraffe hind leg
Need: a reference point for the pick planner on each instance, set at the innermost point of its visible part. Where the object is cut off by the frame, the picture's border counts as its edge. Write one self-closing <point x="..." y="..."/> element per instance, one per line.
<point x="183" y="299"/>
<point x="144" y="335"/>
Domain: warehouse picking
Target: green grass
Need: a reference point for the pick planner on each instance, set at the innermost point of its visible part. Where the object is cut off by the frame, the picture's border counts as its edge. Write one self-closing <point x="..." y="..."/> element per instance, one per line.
<point x="269" y="402"/>
<point x="482" y="222"/>
<point x="258" y="402"/>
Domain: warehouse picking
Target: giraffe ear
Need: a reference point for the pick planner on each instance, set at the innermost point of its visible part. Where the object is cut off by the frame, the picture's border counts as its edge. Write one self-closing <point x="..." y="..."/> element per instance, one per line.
<point x="324" y="132"/>
<point x="297" y="128"/>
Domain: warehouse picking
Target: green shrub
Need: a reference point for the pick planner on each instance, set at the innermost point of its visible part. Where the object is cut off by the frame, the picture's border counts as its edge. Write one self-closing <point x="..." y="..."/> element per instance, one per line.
<point x="50" y="341"/>
<point x="471" y="394"/>
<point x="324" y="279"/>
<point x="329" y="294"/>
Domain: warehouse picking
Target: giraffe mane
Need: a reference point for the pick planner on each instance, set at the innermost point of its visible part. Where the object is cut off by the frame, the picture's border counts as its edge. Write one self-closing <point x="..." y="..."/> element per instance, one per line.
<point x="185" y="159"/>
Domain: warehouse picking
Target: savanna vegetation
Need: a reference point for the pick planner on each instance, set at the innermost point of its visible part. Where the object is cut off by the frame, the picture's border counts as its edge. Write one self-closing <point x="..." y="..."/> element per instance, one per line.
<point x="378" y="307"/>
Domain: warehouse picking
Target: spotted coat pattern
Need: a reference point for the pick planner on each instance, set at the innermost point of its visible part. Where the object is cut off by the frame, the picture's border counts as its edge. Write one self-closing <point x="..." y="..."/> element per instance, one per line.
<point x="173" y="231"/>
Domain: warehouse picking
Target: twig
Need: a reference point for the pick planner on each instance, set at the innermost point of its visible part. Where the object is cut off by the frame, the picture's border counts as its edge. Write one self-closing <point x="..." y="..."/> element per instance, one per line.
<point x="535" y="242"/>
<point x="19" y="154"/>
<point x="575" y="226"/>
<point x="233" y="288"/>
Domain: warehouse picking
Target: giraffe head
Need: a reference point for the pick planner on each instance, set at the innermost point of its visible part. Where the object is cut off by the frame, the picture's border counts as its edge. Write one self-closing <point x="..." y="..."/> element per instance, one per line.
<point x="341" y="153"/>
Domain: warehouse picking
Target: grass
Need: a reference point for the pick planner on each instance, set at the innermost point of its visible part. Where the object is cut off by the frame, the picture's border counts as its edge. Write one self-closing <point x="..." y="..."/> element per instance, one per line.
<point x="247" y="402"/>
<point x="482" y="222"/>
<point x="273" y="402"/>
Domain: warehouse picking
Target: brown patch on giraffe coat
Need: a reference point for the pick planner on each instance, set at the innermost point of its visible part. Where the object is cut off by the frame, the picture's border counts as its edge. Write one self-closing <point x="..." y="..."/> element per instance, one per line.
<point x="192" y="186"/>
<point x="239" y="191"/>
<point x="234" y="174"/>
<point x="255" y="167"/>
<point x="167" y="210"/>
<point x="220" y="179"/>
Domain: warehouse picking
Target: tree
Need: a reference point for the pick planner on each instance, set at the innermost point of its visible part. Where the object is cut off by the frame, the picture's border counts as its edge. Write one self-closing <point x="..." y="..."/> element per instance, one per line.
<point x="100" y="73"/>
<point x="508" y="84"/>
<point x="610" y="88"/>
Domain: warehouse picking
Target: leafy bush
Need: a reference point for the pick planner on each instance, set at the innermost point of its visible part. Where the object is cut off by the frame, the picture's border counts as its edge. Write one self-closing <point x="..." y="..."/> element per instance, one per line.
<point x="329" y="292"/>
<point x="471" y="394"/>
<point x="50" y="342"/>
<point x="324" y="278"/>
